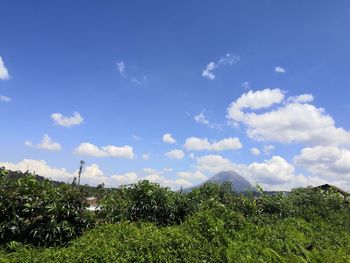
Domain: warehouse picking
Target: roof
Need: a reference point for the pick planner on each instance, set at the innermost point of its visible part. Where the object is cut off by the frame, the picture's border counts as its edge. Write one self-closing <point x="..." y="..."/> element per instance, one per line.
<point x="328" y="186"/>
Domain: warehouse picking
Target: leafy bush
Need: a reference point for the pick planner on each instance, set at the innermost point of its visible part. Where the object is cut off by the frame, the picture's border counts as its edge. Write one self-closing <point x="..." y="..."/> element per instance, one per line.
<point x="39" y="213"/>
<point x="143" y="201"/>
<point x="147" y="223"/>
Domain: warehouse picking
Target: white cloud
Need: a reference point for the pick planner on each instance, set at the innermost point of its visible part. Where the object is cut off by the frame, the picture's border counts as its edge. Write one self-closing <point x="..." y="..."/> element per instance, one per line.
<point x="246" y="85"/>
<point x="214" y="164"/>
<point x="4" y="74"/>
<point x="199" y="144"/>
<point x="140" y="81"/>
<point x="151" y="175"/>
<point x="127" y="178"/>
<point x="121" y="68"/>
<point x="61" y="120"/>
<point x="4" y="98"/>
<point x="280" y="70"/>
<point x="303" y="98"/>
<point x="192" y="176"/>
<point x="274" y="171"/>
<point x="145" y="156"/>
<point x="329" y="162"/>
<point x="255" y="151"/>
<point x="40" y="167"/>
<point x="94" y="175"/>
<point x="89" y="149"/>
<point x="164" y="181"/>
<point x="167" y="170"/>
<point x="175" y="154"/>
<point x="149" y="170"/>
<point x="137" y="138"/>
<point x="29" y="144"/>
<point x="253" y="100"/>
<point x="168" y="138"/>
<point x="278" y="174"/>
<point x="291" y="122"/>
<point x="200" y="118"/>
<point x="46" y="144"/>
<point x="156" y="176"/>
<point x="273" y="174"/>
<point x="208" y="71"/>
<point x="228" y="60"/>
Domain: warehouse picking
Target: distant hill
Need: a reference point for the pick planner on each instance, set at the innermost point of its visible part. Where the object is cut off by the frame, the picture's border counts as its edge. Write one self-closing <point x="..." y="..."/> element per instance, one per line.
<point x="239" y="184"/>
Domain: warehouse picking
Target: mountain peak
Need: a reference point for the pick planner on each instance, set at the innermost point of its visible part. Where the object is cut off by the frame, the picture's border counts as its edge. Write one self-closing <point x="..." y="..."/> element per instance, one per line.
<point x="239" y="184"/>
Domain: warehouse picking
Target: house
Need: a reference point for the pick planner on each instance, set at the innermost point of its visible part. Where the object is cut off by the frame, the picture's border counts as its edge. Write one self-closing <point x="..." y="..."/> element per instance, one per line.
<point x="92" y="202"/>
<point x="328" y="187"/>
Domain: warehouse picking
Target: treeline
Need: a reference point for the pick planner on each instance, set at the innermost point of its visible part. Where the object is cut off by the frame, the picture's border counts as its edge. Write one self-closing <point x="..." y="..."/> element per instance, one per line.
<point x="143" y="222"/>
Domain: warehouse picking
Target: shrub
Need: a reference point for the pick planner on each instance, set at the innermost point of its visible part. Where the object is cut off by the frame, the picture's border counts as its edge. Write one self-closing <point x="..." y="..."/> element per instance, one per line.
<point x="39" y="213"/>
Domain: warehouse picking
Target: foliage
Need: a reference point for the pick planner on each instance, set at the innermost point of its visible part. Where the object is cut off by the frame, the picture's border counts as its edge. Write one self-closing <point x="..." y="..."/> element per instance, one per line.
<point x="147" y="223"/>
<point x="39" y="213"/>
<point x="144" y="201"/>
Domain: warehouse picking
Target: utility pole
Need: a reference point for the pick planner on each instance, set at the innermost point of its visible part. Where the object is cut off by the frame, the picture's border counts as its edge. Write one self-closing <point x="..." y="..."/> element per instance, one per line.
<point x="80" y="170"/>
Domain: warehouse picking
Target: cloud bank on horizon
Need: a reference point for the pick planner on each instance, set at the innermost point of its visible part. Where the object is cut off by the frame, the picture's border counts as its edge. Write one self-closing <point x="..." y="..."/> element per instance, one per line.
<point x="280" y="119"/>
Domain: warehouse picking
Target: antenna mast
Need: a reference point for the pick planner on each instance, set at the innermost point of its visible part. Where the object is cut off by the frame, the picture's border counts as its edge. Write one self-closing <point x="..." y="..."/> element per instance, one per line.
<point x="80" y="170"/>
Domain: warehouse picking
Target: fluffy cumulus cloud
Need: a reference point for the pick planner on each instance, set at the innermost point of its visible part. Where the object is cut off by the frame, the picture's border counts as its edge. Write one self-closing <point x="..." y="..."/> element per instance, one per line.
<point x="168" y="138"/>
<point x="227" y="60"/>
<point x="294" y="120"/>
<point x="330" y="162"/>
<point x="61" y="120"/>
<point x="214" y="164"/>
<point x="93" y="175"/>
<point x="274" y="171"/>
<point x="46" y="144"/>
<point x="273" y="174"/>
<point x="4" y="98"/>
<point x="40" y="167"/>
<point x="193" y="176"/>
<point x="4" y="74"/>
<point x="162" y="179"/>
<point x="199" y="144"/>
<point x="278" y="174"/>
<point x="280" y="70"/>
<point x="255" y="151"/>
<point x="153" y="175"/>
<point x="253" y="100"/>
<point x="175" y="154"/>
<point x="126" y="178"/>
<point x="89" y="149"/>
<point x="200" y="118"/>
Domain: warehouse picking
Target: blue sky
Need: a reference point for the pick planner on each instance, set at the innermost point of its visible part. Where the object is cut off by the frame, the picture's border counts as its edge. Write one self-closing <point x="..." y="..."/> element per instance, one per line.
<point x="201" y="71"/>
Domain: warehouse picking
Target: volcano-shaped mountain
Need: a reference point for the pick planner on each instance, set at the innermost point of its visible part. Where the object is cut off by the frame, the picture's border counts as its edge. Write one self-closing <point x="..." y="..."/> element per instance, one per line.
<point x="239" y="184"/>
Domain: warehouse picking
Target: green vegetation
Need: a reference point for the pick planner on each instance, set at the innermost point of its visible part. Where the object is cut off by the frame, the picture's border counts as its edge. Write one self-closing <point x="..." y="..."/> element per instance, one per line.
<point x="147" y="223"/>
<point x="39" y="213"/>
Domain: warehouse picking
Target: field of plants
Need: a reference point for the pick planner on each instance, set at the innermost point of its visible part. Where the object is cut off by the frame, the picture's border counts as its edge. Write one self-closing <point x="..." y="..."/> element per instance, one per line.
<point x="45" y="222"/>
